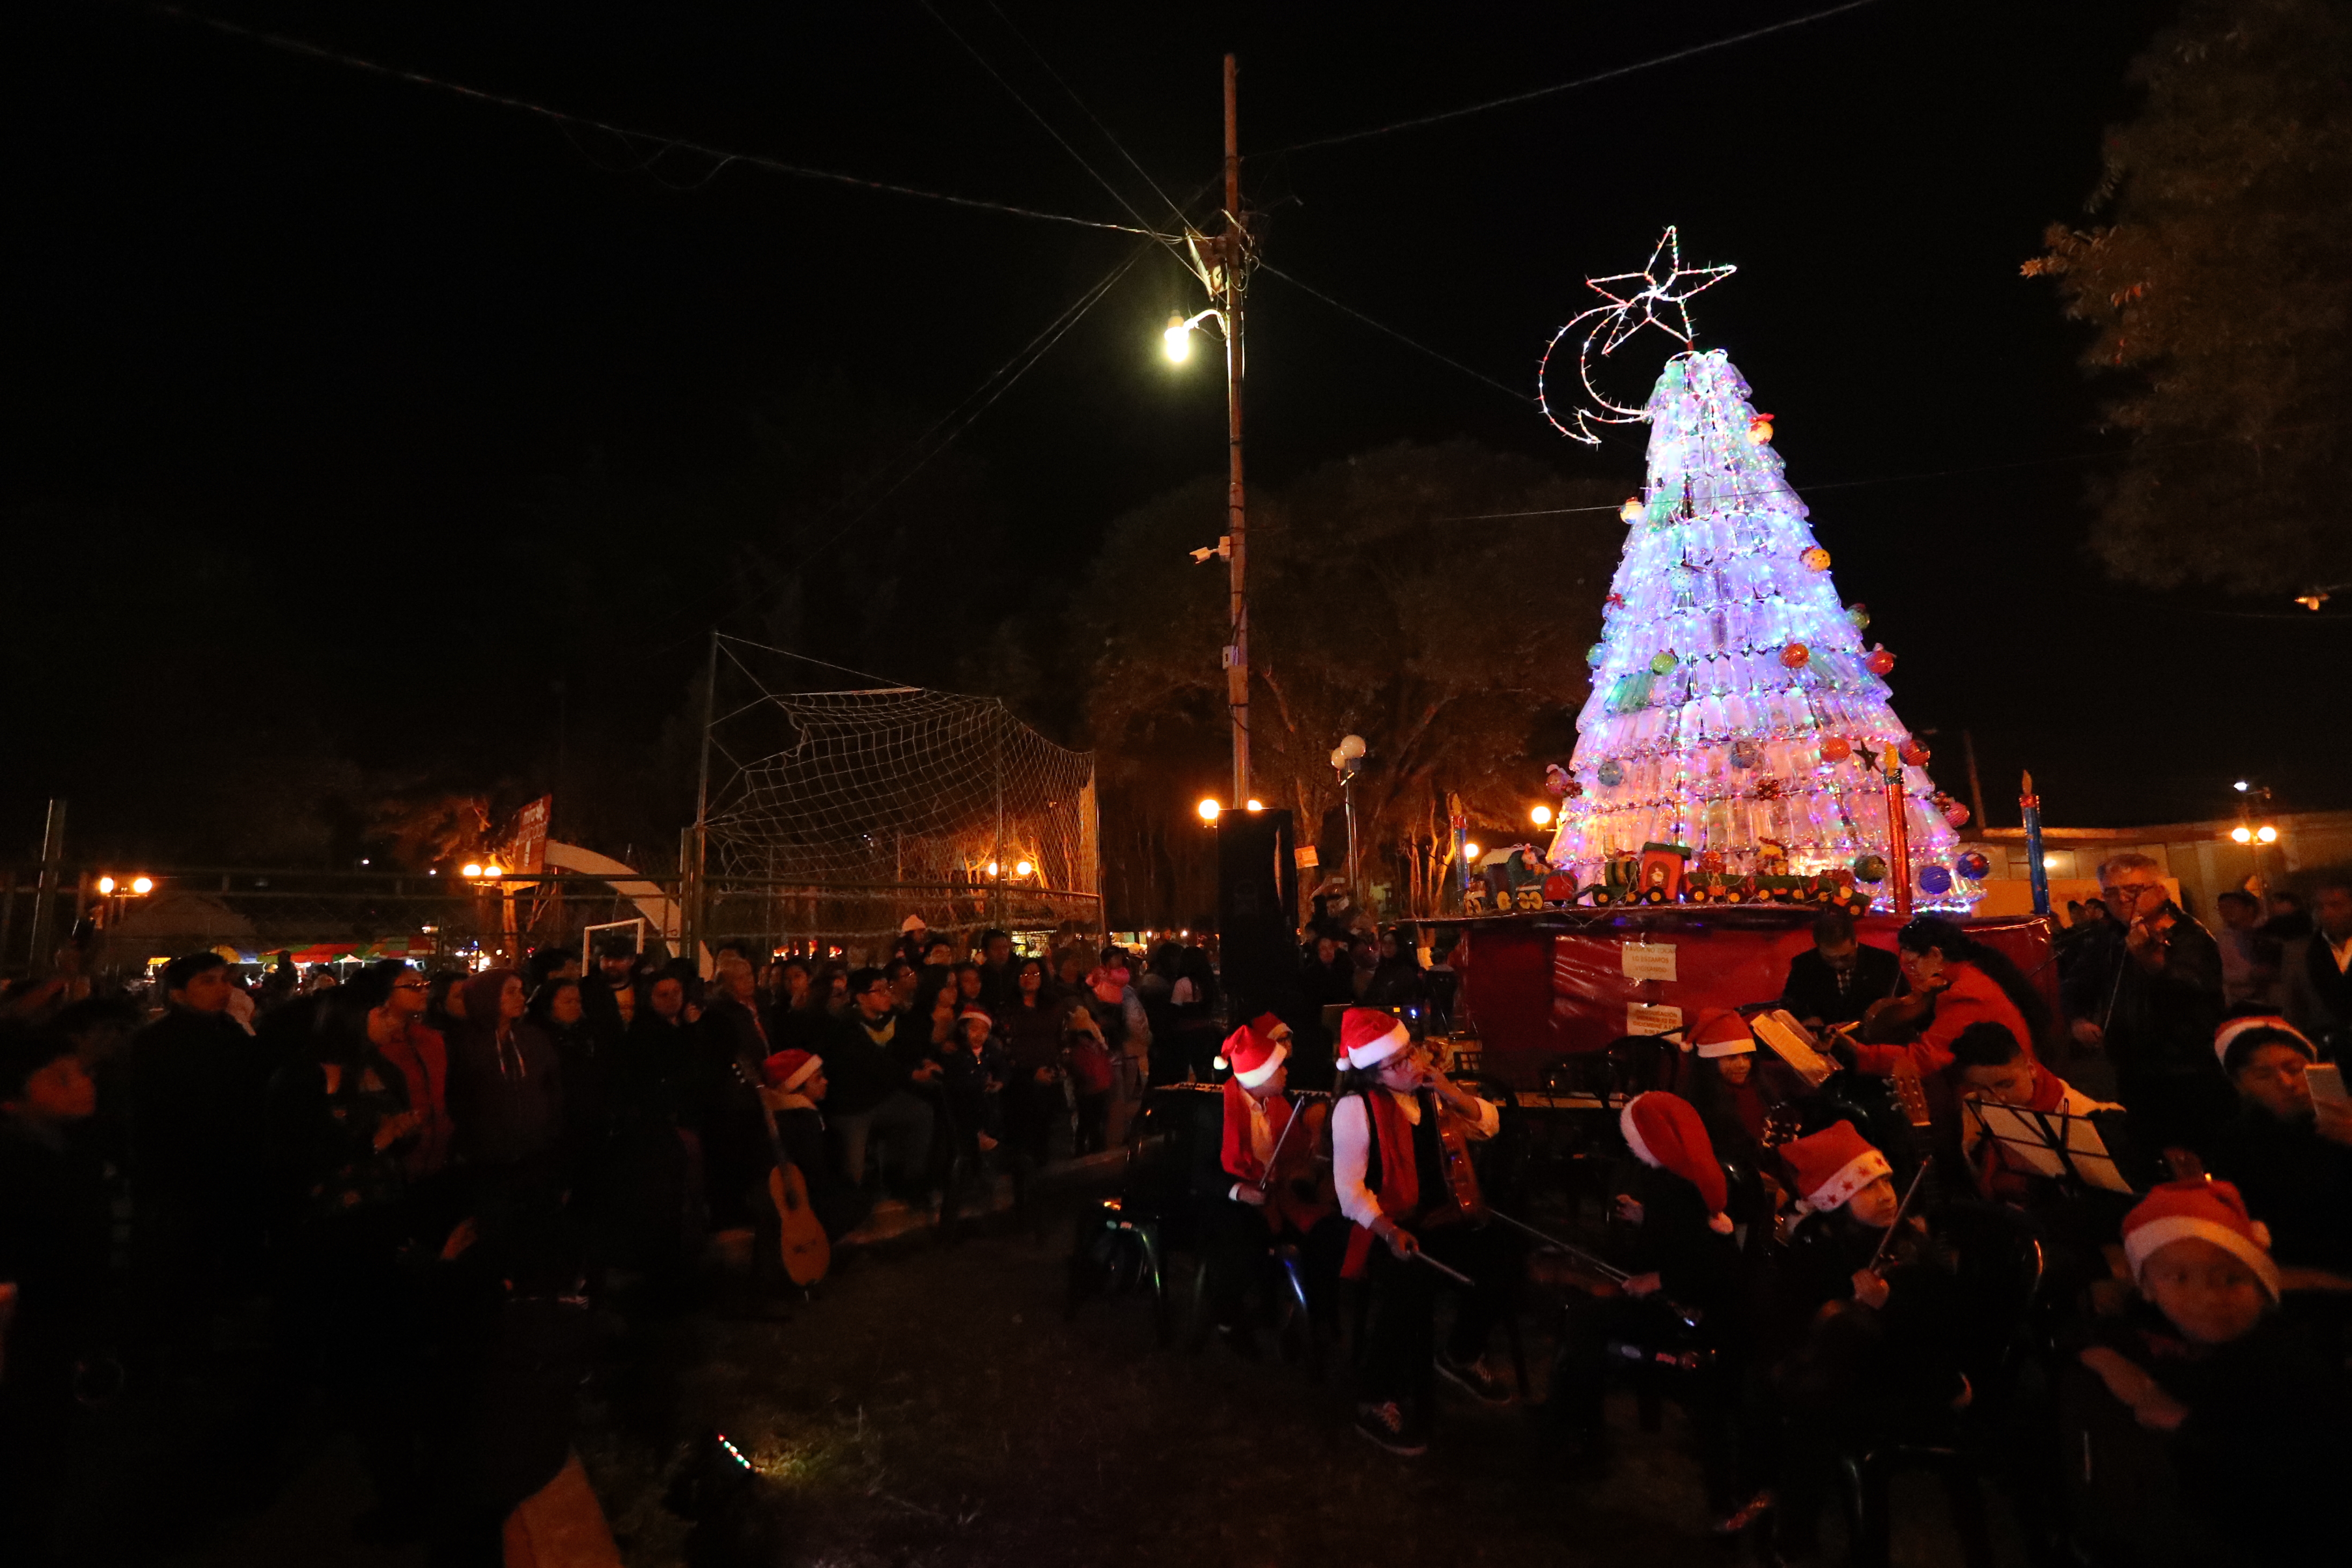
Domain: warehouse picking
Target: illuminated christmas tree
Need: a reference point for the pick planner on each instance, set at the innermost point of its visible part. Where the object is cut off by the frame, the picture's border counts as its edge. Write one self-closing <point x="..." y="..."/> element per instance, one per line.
<point x="1734" y="709"/>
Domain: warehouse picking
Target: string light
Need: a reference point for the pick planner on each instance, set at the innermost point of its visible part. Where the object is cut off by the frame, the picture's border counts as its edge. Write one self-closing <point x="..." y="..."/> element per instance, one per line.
<point x="1734" y="707"/>
<point x="1662" y="301"/>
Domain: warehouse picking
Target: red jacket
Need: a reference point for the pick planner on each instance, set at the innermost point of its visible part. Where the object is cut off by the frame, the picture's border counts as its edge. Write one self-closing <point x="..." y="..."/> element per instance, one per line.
<point x="1972" y="997"/>
<point x="424" y="1061"/>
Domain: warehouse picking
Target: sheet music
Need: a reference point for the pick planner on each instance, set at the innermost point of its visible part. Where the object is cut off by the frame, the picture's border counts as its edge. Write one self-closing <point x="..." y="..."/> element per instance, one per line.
<point x="1789" y="1040"/>
<point x="2022" y="1134"/>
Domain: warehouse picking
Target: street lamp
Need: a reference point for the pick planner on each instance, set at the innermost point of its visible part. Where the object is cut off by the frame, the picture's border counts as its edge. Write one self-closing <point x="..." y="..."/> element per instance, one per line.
<point x="1470" y="851"/>
<point x="1222" y="262"/>
<point x="1346" y="761"/>
<point x="1210" y="811"/>
<point x="1540" y="816"/>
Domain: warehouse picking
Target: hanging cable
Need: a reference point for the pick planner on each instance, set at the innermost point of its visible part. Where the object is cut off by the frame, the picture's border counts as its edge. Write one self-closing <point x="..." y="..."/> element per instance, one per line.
<point x="1610" y="75"/>
<point x="1038" y="54"/>
<point x="1383" y="327"/>
<point x="719" y="155"/>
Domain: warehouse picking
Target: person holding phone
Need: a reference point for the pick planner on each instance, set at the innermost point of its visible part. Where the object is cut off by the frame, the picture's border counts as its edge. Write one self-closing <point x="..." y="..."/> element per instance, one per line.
<point x="2288" y="1151"/>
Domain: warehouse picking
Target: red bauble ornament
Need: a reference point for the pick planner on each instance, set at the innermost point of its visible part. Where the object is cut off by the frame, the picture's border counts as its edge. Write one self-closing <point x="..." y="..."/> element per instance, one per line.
<point x="1796" y="656"/>
<point x="1914" y="754"/>
<point x="1879" y="661"/>
<point x="1836" y="748"/>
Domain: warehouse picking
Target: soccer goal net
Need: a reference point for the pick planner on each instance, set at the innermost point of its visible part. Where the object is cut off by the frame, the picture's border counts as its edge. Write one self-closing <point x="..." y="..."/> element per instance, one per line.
<point x="834" y="816"/>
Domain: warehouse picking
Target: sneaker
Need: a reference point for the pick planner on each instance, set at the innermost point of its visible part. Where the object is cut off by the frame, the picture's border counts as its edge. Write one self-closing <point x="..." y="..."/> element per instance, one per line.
<point x="1483" y="1386"/>
<point x="1386" y="1424"/>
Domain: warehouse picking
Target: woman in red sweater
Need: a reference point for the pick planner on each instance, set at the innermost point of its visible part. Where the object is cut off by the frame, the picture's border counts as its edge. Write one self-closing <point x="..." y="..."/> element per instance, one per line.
<point x="1952" y="981"/>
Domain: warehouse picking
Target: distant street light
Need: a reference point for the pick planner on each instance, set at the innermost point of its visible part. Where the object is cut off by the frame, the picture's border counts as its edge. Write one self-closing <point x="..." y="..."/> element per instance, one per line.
<point x="1022" y="867"/>
<point x="1540" y="816"/>
<point x="2241" y="834"/>
<point x="1210" y="811"/>
<point x="1469" y="851"/>
<point x="147" y="884"/>
<point x="469" y="870"/>
<point x="1257" y="806"/>
<point x="2265" y="833"/>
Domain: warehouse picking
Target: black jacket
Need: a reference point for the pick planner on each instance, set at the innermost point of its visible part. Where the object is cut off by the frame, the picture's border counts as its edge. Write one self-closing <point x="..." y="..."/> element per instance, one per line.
<point x="2293" y="1181"/>
<point x="197" y="1082"/>
<point x="2158" y="1027"/>
<point x="863" y="1073"/>
<point x="1812" y="989"/>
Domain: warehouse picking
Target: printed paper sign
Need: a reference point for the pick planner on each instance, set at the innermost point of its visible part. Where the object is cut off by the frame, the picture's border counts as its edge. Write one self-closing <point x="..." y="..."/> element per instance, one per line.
<point x="1641" y="1018"/>
<point x="1647" y="960"/>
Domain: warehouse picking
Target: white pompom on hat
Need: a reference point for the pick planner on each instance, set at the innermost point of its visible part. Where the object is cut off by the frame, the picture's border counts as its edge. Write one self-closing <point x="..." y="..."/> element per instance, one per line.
<point x="1253" y="1052"/>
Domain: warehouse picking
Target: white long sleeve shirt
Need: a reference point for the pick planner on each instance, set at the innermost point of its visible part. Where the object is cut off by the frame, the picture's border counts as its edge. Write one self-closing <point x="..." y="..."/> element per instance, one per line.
<point x="1351" y="1145"/>
<point x="1261" y="1137"/>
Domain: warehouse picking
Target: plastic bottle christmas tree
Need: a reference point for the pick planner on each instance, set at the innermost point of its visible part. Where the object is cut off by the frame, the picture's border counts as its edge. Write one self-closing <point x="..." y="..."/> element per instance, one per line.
<point x="1734" y="709"/>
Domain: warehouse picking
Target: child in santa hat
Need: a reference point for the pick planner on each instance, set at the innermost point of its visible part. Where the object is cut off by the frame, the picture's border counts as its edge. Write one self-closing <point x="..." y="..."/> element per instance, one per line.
<point x="1724" y="1084"/>
<point x="1398" y="1129"/>
<point x="796" y="1089"/>
<point x="1267" y="1153"/>
<point x="1863" y="1341"/>
<point x="2208" y="1361"/>
<point x="1685" y="1292"/>
<point x="2290" y="1153"/>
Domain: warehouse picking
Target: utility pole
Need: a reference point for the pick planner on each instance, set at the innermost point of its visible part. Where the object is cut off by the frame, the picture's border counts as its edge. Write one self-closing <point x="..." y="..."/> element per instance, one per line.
<point x="1233" y="248"/>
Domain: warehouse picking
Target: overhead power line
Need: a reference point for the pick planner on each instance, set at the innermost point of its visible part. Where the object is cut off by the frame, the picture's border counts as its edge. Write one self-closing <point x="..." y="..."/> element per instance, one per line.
<point x="720" y="156"/>
<point x="1381" y="326"/>
<point x="1610" y="75"/>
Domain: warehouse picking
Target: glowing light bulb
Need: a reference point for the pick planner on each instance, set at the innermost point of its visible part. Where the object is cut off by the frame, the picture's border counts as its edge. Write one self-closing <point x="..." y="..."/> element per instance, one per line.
<point x="2265" y="833"/>
<point x="106" y="884"/>
<point x="493" y="870"/>
<point x="1022" y="867"/>
<point x="2242" y="834"/>
<point x="1540" y="815"/>
<point x="1256" y="805"/>
<point x="1470" y="851"/>
<point x="147" y="884"/>
<point x="469" y="870"/>
<point x="1210" y="810"/>
<point x="991" y="867"/>
<point x="1177" y="339"/>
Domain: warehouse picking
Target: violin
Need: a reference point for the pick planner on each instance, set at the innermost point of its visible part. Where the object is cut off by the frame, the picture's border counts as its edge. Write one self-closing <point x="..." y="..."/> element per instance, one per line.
<point x="1300" y="1190"/>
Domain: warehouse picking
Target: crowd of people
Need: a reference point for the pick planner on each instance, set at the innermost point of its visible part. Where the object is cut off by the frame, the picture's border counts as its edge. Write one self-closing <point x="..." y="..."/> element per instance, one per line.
<point x="416" y="1182"/>
<point x="1828" y="1271"/>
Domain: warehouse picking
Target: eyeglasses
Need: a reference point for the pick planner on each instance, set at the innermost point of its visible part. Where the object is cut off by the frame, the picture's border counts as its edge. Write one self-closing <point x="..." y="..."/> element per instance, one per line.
<point x="2134" y="890"/>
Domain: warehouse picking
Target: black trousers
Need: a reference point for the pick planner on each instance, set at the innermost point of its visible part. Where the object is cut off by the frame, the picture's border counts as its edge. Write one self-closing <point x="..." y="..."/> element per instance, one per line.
<point x="1403" y="1332"/>
<point x="1626" y="1334"/>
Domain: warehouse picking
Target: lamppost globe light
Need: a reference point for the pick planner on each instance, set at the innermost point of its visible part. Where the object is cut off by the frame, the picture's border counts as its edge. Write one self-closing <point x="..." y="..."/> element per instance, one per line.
<point x="2241" y="834"/>
<point x="106" y="884"/>
<point x="1178" y="340"/>
<point x="1540" y="816"/>
<point x="493" y="869"/>
<point x="142" y="884"/>
<point x="469" y="869"/>
<point x="1210" y="810"/>
<point x="1469" y="850"/>
<point x="1256" y="805"/>
<point x="1022" y="867"/>
<point x="991" y="867"/>
<point x="2266" y="833"/>
<point x="2241" y="787"/>
<point x="1351" y="747"/>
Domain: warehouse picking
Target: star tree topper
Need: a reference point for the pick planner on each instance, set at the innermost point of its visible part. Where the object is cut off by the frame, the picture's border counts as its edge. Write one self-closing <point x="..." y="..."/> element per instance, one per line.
<point x="1657" y="296"/>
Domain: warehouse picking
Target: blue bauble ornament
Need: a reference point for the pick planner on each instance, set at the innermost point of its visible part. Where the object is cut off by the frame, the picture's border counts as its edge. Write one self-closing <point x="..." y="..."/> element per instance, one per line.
<point x="1611" y="773"/>
<point x="1972" y="865"/>
<point x="1935" y="879"/>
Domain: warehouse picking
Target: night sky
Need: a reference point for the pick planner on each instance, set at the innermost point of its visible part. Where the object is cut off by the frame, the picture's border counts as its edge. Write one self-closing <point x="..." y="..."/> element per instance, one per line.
<point x="334" y="403"/>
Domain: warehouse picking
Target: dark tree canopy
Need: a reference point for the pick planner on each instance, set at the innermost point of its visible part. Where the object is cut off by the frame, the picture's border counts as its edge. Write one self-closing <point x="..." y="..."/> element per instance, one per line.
<point x="2220" y="287"/>
<point x="1392" y="596"/>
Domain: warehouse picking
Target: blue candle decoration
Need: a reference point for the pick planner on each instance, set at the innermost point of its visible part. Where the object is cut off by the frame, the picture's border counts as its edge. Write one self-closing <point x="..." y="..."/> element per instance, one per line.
<point x="2037" y="874"/>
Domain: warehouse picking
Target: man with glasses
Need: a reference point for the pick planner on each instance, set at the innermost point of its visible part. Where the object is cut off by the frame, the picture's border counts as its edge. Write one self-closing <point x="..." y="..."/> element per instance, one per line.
<point x="878" y="1062"/>
<point x="1836" y="979"/>
<point x="2146" y="989"/>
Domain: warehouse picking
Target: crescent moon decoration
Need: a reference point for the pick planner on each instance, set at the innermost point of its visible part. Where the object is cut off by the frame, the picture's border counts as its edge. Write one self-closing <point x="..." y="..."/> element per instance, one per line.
<point x="1657" y="296"/>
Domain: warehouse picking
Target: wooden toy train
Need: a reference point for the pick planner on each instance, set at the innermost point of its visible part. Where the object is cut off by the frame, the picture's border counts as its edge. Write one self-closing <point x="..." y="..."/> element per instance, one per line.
<point x="1518" y="878"/>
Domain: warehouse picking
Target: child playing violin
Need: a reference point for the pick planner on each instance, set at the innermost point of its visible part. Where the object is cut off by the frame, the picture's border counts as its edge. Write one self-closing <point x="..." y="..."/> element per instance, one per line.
<point x="1266" y="1167"/>
<point x="1400" y="1163"/>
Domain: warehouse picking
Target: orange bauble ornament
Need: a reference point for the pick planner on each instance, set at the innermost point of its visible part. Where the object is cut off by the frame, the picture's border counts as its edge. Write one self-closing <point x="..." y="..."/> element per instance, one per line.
<point x="1760" y="429"/>
<point x="1796" y="656"/>
<point x="1816" y="559"/>
<point x="1836" y="748"/>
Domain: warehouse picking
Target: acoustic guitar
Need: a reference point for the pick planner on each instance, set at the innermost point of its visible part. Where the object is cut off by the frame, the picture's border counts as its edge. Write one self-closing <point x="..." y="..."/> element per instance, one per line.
<point x="808" y="1255"/>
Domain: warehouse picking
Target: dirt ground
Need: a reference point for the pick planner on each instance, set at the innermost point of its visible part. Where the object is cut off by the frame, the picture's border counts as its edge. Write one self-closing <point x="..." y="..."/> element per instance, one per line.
<point x="931" y="1405"/>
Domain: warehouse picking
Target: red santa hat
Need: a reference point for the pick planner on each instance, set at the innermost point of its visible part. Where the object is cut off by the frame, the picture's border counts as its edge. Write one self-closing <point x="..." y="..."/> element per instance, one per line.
<point x="1832" y="1166"/>
<point x="787" y="1070"/>
<point x="2199" y="1211"/>
<point x="1253" y="1051"/>
<point x="975" y="1010"/>
<point x="1371" y="1036"/>
<point x="2224" y="1037"/>
<point x="1720" y="1032"/>
<point x="1666" y="1133"/>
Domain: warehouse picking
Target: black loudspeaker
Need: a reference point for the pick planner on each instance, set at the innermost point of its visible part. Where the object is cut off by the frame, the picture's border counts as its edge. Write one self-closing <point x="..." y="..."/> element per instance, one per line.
<point x="1257" y="900"/>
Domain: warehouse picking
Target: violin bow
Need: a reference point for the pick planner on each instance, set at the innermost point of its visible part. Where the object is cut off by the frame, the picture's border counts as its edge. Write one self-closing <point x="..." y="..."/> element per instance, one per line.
<point x="1608" y="1271"/>
<point x="1904" y="1207"/>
